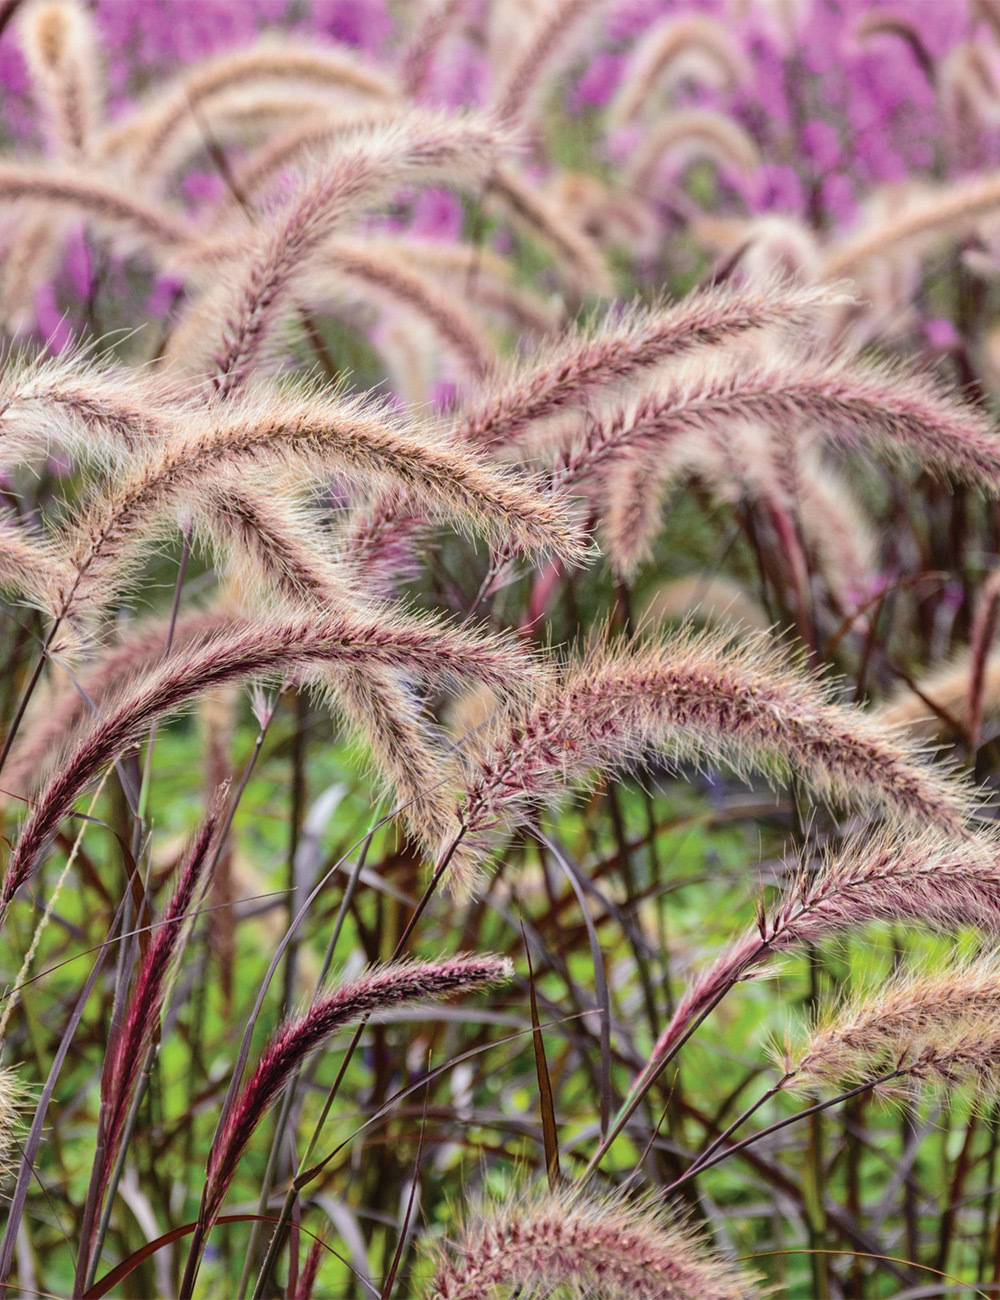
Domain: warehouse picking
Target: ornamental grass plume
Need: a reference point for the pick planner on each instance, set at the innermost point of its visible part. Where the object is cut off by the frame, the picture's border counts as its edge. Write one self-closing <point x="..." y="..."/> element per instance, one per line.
<point x="570" y="1242"/>
<point x="274" y="543"/>
<point x="937" y="702"/>
<point x="241" y="116"/>
<point x="929" y="1029"/>
<point x="697" y="697"/>
<point x="310" y="1270"/>
<point x="887" y="409"/>
<point x="839" y="534"/>
<point x="543" y="216"/>
<point x="94" y="413"/>
<point x="632" y="510"/>
<point x="325" y="128"/>
<point x="702" y="599"/>
<point x="484" y="278"/>
<point x="299" y="643"/>
<point x="809" y="507"/>
<point x="144" y="136"/>
<point x="762" y="249"/>
<point x="14" y="1096"/>
<point x="877" y="23"/>
<point x="419" y="147"/>
<point x="664" y="46"/>
<point x="691" y="133"/>
<point x="944" y="213"/>
<point x="407" y="754"/>
<point x="967" y="86"/>
<point x="919" y="876"/>
<point x="275" y="548"/>
<point x="380" y="540"/>
<point x="57" y="718"/>
<point x="60" y="49"/>
<point x="381" y="988"/>
<point x="57" y="39"/>
<point x="34" y="569"/>
<point x="133" y="222"/>
<point x="31" y="258"/>
<point x="438" y="20"/>
<point x="547" y="47"/>
<point x="388" y="279"/>
<point x="317" y="433"/>
<point x="621" y="347"/>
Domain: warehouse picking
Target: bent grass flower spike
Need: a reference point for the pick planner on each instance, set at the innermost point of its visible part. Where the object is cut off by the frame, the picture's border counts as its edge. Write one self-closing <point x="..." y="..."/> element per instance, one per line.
<point x="381" y="989"/>
<point x="696" y="698"/>
<point x="926" y="1029"/>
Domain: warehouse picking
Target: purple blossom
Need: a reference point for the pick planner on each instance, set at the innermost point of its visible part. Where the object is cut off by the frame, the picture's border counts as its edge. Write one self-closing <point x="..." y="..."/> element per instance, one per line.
<point x="437" y="214"/>
<point x="820" y="144"/>
<point x="941" y="334"/>
<point x="599" y="82"/>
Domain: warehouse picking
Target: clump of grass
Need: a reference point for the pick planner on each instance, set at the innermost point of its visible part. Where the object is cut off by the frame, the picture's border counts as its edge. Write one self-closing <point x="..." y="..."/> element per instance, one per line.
<point x="341" y="401"/>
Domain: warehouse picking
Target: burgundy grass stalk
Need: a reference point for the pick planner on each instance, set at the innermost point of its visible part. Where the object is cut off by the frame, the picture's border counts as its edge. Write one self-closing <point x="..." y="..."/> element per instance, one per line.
<point x="984" y="629"/>
<point x="131" y="1040"/>
<point x="384" y="987"/>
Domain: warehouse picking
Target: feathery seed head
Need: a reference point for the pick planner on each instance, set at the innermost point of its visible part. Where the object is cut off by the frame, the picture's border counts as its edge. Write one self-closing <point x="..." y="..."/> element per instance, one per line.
<point x="382" y="988"/>
<point x="299" y="643"/>
<point x="695" y="41"/>
<point x="58" y="41"/>
<point x="623" y="346"/>
<point x="697" y="697"/>
<point x="14" y="1095"/>
<point x="937" y="1028"/>
<point x="570" y="1241"/>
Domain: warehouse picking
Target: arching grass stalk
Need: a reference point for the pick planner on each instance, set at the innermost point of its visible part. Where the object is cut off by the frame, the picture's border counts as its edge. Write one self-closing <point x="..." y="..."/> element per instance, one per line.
<point x="143" y="1080"/>
<point x="30" y="1148"/>
<point x="305" y="1173"/>
<point x="198" y="1239"/>
<point x="29" y="691"/>
<point x="288" y="1099"/>
<point x="701" y="1165"/>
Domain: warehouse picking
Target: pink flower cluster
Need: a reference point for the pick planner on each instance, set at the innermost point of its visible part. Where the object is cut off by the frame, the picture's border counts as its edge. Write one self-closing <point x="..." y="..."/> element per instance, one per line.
<point x="835" y="112"/>
<point x="149" y="39"/>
